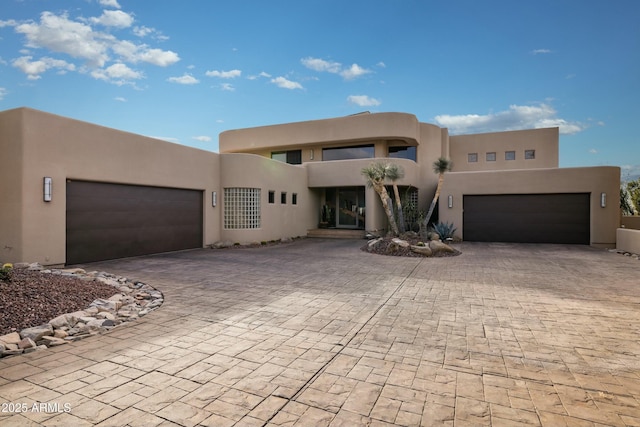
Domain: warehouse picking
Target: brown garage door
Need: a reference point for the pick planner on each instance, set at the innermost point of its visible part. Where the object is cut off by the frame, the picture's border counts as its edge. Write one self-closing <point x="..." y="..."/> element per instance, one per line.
<point x="527" y="218"/>
<point x="108" y="221"/>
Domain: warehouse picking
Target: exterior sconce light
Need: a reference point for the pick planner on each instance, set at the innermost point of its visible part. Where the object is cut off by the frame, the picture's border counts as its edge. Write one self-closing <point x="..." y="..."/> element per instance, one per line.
<point x="46" y="190"/>
<point x="450" y="201"/>
<point x="603" y="200"/>
<point x="311" y="154"/>
<point x="214" y="198"/>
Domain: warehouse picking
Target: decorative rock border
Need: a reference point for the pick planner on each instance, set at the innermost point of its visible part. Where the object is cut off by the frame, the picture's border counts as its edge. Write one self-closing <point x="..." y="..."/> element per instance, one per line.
<point x="131" y="301"/>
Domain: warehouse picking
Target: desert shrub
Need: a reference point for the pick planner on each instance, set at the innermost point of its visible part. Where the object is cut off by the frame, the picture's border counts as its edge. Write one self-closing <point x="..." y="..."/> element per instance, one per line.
<point x="5" y="272"/>
<point x="444" y="229"/>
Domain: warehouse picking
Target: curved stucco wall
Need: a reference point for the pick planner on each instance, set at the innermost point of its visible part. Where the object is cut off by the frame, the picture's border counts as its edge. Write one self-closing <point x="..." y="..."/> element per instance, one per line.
<point x="593" y="180"/>
<point x="360" y="127"/>
<point x="277" y="220"/>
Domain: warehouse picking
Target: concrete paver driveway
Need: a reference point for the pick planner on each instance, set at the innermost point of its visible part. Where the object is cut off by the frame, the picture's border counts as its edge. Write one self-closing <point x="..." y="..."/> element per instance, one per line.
<point x="318" y="333"/>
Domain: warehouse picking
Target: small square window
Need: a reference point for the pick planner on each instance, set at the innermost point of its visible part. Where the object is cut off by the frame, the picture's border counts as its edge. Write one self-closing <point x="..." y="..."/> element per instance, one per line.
<point x="491" y="157"/>
<point x="529" y="154"/>
<point x="283" y="198"/>
<point x="509" y="155"/>
<point x="472" y="157"/>
<point x="294" y="199"/>
<point x="272" y="196"/>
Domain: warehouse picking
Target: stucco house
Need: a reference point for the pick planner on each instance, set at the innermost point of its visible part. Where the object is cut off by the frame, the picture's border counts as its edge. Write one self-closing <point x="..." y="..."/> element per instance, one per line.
<point x="74" y="192"/>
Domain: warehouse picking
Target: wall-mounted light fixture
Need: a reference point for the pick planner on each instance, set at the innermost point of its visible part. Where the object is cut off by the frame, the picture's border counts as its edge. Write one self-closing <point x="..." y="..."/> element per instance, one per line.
<point x="603" y="200"/>
<point x="46" y="190"/>
<point x="311" y="154"/>
<point x="450" y="201"/>
<point x="214" y="198"/>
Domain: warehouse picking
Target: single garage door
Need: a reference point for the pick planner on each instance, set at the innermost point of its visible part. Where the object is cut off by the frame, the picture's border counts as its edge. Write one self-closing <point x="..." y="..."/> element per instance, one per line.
<point x="108" y="221"/>
<point x="527" y="218"/>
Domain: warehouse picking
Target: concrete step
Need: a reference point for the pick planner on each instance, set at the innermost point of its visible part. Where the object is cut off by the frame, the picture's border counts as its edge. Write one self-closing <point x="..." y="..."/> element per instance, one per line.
<point x="336" y="233"/>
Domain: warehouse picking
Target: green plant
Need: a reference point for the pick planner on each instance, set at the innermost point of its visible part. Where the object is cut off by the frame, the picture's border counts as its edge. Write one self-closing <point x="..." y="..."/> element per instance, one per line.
<point x="5" y="272"/>
<point x="444" y="230"/>
<point x="376" y="174"/>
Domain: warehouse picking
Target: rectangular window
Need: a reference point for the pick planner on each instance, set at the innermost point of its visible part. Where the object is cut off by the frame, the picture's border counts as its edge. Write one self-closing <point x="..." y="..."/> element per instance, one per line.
<point x="529" y="154"/>
<point x="491" y="157"/>
<point x="241" y="208"/>
<point x="509" y="155"/>
<point x="403" y="153"/>
<point x="346" y="153"/>
<point x="272" y="196"/>
<point x="294" y="199"/>
<point x="283" y="198"/>
<point x="293" y="157"/>
<point x="472" y="157"/>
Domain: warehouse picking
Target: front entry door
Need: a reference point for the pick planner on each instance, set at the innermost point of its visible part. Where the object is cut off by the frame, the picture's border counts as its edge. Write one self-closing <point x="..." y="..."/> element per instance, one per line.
<point x="350" y="203"/>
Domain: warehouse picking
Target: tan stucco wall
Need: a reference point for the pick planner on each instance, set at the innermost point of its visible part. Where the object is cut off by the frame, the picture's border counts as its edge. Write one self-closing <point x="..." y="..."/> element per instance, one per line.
<point x="594" y="180"/>
<point x="277" y="220"/>
<point x="361" y="127"/>
<point x="11" y="183"/>
<point x="632" y="222"/>
<point x="628" y="240"/>
<point x="63" y="148"/>
<point x="544" y="141"/>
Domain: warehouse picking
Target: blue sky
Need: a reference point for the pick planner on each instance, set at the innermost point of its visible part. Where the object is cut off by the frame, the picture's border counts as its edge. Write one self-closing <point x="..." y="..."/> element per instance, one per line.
<point x="185" y="71"/>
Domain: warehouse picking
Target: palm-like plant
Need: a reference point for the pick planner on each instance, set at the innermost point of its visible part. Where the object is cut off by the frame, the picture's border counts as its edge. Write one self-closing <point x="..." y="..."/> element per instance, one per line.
<point x="440" y="166"/>
<point x="376" y="174"/>
<point x="394" y="173"/>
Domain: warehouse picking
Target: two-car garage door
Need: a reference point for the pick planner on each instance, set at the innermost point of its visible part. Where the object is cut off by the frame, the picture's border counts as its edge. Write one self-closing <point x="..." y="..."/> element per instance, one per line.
<point x="527" y="218"/>
<point x="108" y="221"/>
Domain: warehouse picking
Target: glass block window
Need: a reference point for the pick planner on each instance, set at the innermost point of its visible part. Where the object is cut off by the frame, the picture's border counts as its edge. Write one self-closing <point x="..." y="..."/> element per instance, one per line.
<point x="509" y="155"/>
<point x="491" y="157"/>
<point x="472" y="157"/>
<point x="529" y="154"/>
<point x="241" y="208"/>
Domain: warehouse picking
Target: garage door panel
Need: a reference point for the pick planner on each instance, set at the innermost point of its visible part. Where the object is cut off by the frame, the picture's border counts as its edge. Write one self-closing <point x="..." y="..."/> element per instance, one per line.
<point x="533" y="218"/>
<point x="108" y="221"/>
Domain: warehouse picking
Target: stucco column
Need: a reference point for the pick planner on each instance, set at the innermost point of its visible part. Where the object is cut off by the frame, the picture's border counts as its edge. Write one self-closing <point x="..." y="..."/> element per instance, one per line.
<point x="376" y="220"/>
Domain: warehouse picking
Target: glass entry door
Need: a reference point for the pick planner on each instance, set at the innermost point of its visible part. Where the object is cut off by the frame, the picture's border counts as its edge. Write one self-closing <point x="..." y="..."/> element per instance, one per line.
<point x="350" y="204"/>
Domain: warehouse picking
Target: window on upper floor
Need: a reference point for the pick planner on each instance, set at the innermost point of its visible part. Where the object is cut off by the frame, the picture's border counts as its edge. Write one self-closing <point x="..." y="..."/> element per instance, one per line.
<point x="509" y="155"/>
<point x="346" y="153"/>
<point x="472" y="157"/>
<point x="403" y="152"/>
<point x="293" y="157"/>
<point x="491" y="157"/>
<point x="529" y="154"/>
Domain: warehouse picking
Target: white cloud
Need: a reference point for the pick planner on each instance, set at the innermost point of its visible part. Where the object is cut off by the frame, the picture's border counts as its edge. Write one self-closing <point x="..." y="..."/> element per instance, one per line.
<point x="363" y="101"/>
<point x="114" y="18"/>
<point x="8" y="23"/>
<point x="60" y="34"/>
<point x="33" y="69"/>
<point x="516" y="117"/>
<point x="117" y="73"/>
<point x="120" y="99"/>
<point x="231" y="74"/>
<point x="353" y="72"/>
<point x="227" y="87"/>
<point x="109" y="3"/>
<point x="593" y="151"/>
<point x="185" y="79"/>
<point x="333" y="67"/>
<point x="3" y="93"/>
<point x="381" y="64"/>
<point x="317" y="64"/>
<point x="286" y="84"/>
<point x="202" y="138"/>
<point x="540" y="51"/>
